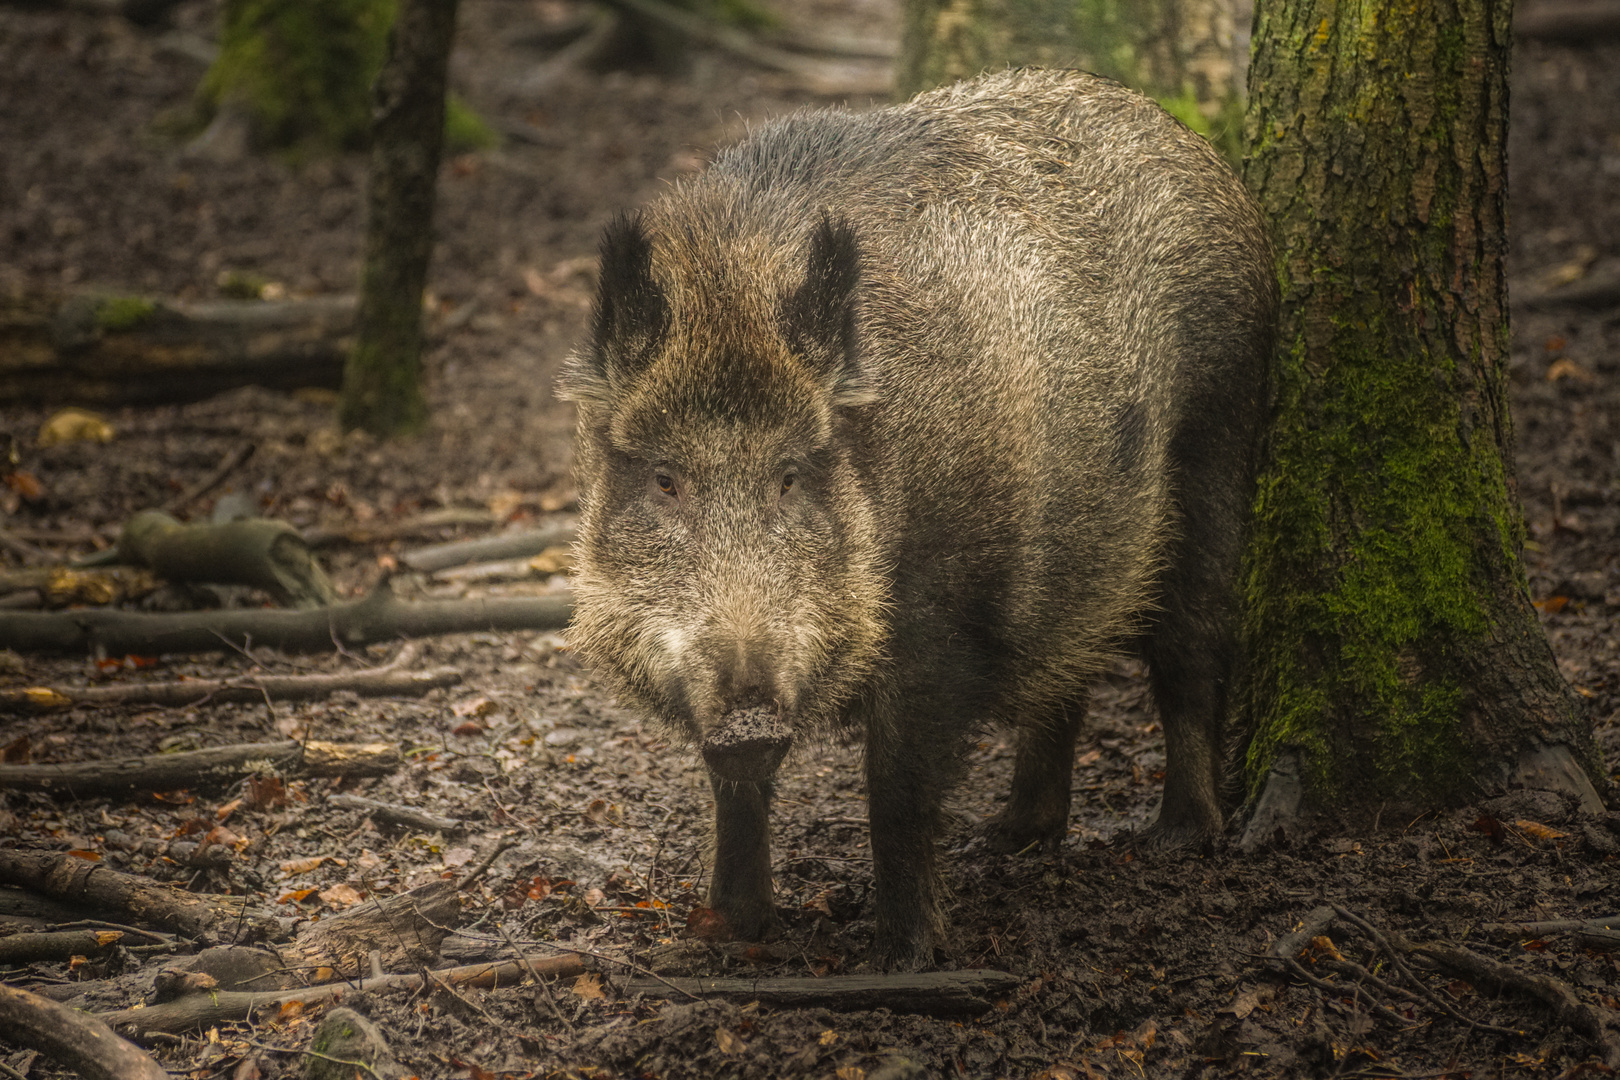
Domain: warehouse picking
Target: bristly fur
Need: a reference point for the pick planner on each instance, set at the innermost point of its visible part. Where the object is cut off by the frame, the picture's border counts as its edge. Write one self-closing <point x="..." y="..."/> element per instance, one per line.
<point x="903" y="421"/>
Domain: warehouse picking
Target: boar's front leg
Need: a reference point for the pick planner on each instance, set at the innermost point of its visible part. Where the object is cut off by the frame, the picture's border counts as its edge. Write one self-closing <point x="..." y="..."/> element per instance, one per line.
<point x="740" y="891"/>
<point x="905" y="786"/>
<point x="1037" y="810"/>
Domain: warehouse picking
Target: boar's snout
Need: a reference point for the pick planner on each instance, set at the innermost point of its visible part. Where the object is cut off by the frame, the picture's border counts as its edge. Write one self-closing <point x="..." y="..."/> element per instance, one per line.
<point x="748" y="745"/>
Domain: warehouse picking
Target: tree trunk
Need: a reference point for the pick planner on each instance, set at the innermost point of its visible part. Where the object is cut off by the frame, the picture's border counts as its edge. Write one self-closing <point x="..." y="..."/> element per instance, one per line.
<point x="1392" y="651"/>
<point x="1188" y="54"/>
<point x="382" y="381"/>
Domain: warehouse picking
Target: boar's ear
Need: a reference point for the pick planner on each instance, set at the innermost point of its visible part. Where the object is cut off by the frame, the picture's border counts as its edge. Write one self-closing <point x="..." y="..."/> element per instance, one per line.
<point x="820" y="315"/>
<point x="629" y="318"/>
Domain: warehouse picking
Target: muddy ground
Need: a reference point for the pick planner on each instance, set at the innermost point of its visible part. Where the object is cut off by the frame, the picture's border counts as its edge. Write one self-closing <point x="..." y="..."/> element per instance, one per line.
<point x="1131" y="963"/>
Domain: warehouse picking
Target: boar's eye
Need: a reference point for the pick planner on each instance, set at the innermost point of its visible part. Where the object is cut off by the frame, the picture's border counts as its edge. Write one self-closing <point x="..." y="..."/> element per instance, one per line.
<point x="666" y="484"/>
<point x="788" y="481"/>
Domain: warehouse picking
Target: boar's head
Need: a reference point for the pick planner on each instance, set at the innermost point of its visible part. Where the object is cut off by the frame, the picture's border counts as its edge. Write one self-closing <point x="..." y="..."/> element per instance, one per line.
<point x="729" y="575"/>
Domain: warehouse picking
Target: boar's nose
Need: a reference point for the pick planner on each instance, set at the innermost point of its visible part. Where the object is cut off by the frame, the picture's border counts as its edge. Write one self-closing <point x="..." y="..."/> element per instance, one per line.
<point x="746" y="678"/>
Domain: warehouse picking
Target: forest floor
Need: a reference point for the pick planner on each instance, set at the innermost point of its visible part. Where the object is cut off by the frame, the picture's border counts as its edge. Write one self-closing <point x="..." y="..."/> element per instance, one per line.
<point x="1129" y="962"/>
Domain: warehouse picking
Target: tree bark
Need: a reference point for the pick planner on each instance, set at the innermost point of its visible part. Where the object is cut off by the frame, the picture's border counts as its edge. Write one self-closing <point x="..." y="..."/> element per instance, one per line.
<point x="1392" y="651"/>
<point x="382" y="390"/>
<point x="71" y="1038"/>
<point x="212" y="768"/>
<point x="1188" y="54"/>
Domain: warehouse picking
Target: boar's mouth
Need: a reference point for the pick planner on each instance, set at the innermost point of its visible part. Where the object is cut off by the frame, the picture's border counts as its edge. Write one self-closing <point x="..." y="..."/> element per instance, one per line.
<point x="748" y="745"/>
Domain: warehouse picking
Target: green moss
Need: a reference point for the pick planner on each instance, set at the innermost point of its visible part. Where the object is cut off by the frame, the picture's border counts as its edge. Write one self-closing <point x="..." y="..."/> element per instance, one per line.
<point x="124" y="313"/>
<point x="302" y="68"/>
<point x="465" y="130"/>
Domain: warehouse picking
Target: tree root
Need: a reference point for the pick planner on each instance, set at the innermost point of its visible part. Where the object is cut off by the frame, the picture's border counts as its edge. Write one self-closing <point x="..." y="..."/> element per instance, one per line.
<point x="74" y="1039"/>
<point x="1489" y="976"/>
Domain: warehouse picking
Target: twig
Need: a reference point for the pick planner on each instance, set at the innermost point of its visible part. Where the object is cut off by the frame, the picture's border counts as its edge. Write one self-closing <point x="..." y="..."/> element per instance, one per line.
<point x="1297" y="969"/>
<point x="28" y="552"/>
<point x="545" y="988"/>
<point x="501" y="845"/>
<point x="227" y="465"/>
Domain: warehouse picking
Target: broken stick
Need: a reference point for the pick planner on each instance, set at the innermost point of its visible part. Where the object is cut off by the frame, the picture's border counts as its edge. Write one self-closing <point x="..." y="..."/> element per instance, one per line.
<point x="388" y="681"/>
<point x="211" y="768"/>
<point x="934" y="993"/>
<point x="379" y="617"/>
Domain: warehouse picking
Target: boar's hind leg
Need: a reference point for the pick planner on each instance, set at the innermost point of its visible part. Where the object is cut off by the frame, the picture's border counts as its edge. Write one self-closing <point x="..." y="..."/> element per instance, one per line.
<point x="1037" y="810"/>
<point x="741" y="888"/>
<point x="905" y="787"/>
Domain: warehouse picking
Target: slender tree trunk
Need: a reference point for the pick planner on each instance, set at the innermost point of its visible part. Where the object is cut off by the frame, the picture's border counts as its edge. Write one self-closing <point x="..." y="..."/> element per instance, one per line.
<point x="1185" y="53"/>
<point x="1392" y="650"/>
<point x="382" y="381"/>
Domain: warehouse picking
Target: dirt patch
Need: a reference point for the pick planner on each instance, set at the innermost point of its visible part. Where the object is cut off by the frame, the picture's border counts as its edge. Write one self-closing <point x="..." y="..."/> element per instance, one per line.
<point x="1131" y="963"/>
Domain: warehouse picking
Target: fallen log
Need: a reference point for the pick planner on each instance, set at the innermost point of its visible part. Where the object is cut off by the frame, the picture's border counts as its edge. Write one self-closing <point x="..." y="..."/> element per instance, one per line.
<point x="1570" y="23"/>
<point x="88" y="884"/>
<point x="65" y="586"/>
<point x="391" y="681"/>
<point x="73" y="1039"/>
<point x="108" y="349"/>
<point x="258" y="552"/>
<point x="408" y="817"/>
<point x="56" y="945"/>
<point x="510" y="545"/>
<point x="380" y="616"/>
<point x="214" y="767"/>
<point x="934" y="993"/>
<point x="222" y="1007"/>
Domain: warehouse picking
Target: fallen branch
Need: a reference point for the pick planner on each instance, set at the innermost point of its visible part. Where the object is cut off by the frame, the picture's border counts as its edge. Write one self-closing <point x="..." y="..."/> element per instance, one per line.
<point x="131" y="350"/>
<point x="75" y="1040"/>
<point x="408" y="817"/>
<point x="378" y="617"/>
<point x="222" y="1007"/>
<point x="935" y="993"/>
<point x="376" y="532"/>
<point x="511" y="545"/>
<point x="407" y="929"/>
<point x="258" y="552"/>
<point x="90" y="885"/>
<point x="214" y="767"/>
<point x="55" y="945"/>
<point x="390" y="681"/>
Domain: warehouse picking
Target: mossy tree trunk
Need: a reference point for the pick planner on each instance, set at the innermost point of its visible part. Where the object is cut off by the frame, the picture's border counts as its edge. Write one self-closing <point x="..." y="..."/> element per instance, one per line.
<point x="1188" y="54"/>
<point x="1392" y="650"/>
<point x="382" y="390"/>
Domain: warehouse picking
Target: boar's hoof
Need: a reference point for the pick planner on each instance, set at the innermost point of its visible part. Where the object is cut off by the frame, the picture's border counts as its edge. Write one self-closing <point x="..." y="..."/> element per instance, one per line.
<point x="748" y="745"/>
<point x="907" y="955"/>
<point x="1187" y="836"/>
<point x="1013" y="834"/>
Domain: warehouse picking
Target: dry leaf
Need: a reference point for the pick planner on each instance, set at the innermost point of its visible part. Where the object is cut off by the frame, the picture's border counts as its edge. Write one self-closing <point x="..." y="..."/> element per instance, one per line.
<point x="459" y="856"/>
<point x="18" y="751"/>
<point x="504" y="504"/>
<point x="293" y="867"/>
<point x="589" y="987"/>
<point x="478" y="706"/>
<point x="74" y="425"/>
<point x="731" y="1043"/>
<point x="26" y="485"/>
<point x="1090" y="757"/>
<point x="602" y="812"/>
<point x="828" y="1037"/>
<point x="1565" y="368"/>
<point x="342" y="895"/>
<point x="1324" y="947"/>
<point x="1538" y="830"/>
<point x="850" y="1072"/>
<point x="553" y="560"/>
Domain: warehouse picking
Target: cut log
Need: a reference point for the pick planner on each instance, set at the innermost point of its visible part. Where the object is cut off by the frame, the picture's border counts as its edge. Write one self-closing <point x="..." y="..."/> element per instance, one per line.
<point x="378" y="617"/>
<point x="390" y="681"/>
<point x="213" y="768"/>
<point x="512" y="545"/>
<point x="72" y="1039"/>
<point x="406" y="928"/>
<point x="257" y="552"/>
<point x="137" y="900"/>
<point x="934" y="993"/>
<point x="203" y="1009"/>
<point x="131" y="350"/>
